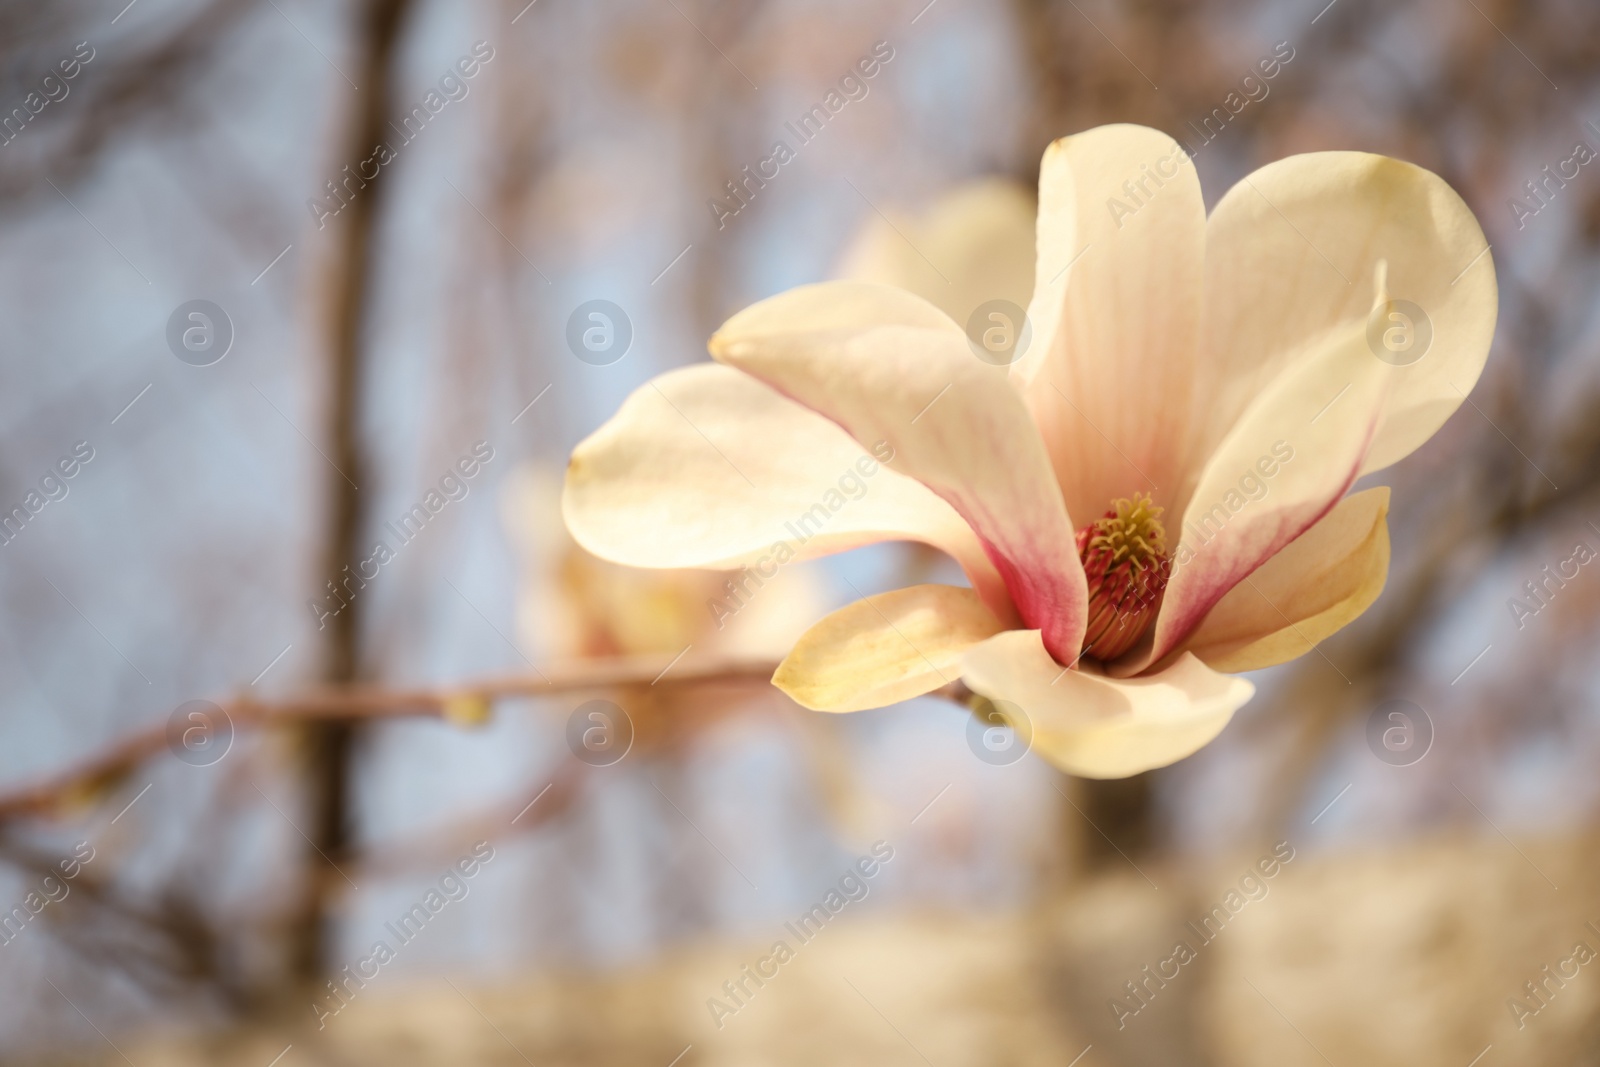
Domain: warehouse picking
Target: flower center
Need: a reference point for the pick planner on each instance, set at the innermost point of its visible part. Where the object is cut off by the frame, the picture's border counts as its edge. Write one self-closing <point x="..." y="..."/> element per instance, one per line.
<point x="1124" y="556"/>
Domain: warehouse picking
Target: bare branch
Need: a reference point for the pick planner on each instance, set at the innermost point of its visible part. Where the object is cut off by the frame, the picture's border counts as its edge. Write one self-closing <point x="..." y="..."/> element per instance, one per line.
<point x="463" y="702"/>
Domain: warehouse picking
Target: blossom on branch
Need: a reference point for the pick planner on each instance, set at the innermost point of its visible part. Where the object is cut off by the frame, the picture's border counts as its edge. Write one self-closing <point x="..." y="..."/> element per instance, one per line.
<point x="1147" y="495"/>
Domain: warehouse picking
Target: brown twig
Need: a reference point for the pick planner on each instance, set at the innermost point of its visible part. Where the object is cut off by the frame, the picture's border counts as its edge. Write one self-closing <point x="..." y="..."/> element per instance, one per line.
<point x="465" y="702"/>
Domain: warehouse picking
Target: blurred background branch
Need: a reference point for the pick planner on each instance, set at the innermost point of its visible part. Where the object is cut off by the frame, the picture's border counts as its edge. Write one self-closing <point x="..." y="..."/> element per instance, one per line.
<point x="329" y="747"/>
<point x="466" y="704"/>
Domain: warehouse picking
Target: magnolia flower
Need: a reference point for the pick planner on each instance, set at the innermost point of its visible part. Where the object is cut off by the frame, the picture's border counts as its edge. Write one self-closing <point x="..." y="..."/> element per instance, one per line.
<point x="1151" y="497"/>
<point x="980" y="235"/>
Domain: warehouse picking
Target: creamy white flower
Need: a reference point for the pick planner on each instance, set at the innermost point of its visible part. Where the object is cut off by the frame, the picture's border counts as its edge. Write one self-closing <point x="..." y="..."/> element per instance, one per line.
<point x="1175" y="360"/>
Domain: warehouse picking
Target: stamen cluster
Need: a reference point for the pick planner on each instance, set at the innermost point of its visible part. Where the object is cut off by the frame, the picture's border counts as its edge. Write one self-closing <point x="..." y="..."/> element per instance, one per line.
<point x="1125" y="559"/>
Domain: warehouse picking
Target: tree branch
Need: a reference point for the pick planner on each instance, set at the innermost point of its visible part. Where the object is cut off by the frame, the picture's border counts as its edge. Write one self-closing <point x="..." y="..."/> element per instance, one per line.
<point x="467" y="702"/>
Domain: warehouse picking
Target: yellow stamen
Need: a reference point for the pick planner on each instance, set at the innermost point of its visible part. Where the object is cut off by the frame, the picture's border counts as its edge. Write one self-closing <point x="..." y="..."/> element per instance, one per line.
<point x="1134" y="533"/>
<point x="1125" y="563"/>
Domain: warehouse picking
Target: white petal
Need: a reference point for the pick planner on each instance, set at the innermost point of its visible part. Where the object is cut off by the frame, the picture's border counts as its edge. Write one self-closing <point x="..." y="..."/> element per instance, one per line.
<point x="1319" y="583"/>
<point x="974" y="245"/>
<point x="885" y="649"/>
<point x="707" y="467"/>
<point x="1111" y="376"/>
<point x="1098" y="727"/>
<point x="1291" y="457"/>
<point x="1291" y="252"/>
<point x="894" y="371"/>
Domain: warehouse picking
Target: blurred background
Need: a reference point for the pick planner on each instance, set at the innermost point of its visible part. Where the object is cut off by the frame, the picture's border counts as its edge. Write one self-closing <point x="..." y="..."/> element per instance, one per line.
<point x="261" y="346"/>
